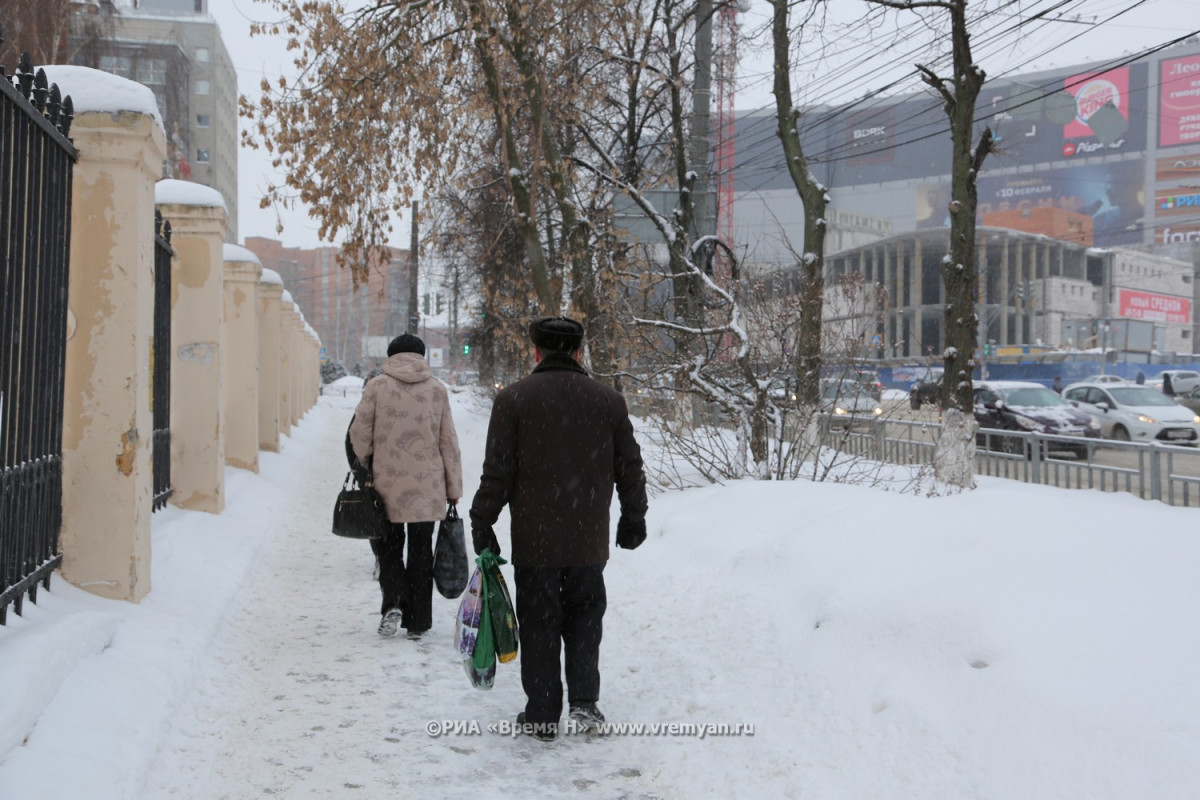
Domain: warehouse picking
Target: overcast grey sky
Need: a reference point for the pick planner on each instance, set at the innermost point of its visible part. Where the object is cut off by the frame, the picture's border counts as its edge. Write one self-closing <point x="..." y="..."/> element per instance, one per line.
<point x="863" y="63"/>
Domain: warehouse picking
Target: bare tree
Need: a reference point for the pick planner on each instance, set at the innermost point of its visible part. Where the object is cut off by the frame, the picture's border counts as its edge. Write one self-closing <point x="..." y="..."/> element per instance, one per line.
<point x="959" y="93"/>
<point x="52" y="31"/>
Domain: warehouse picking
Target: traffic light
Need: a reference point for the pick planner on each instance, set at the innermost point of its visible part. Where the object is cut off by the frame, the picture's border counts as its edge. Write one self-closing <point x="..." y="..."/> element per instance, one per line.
<point x="440" y="303"/>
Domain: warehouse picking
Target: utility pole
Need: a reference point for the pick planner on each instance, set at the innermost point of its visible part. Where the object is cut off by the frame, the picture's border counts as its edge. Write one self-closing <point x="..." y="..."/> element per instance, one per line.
<point x="414" y="314"/>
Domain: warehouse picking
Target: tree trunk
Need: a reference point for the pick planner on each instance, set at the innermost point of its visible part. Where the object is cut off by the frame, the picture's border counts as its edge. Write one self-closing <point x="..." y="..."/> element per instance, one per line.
<point x="812" y="194"/>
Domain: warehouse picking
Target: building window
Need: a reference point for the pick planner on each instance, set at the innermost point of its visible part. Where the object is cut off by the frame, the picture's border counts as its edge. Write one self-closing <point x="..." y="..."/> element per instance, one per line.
<point x="202" y="56"/>
<point x="117" y="65"/>
<point x="202" y="120"/>
<point x="201" y="156"/>
<point x="202" y="87"/>
<point x="152" y="71"/>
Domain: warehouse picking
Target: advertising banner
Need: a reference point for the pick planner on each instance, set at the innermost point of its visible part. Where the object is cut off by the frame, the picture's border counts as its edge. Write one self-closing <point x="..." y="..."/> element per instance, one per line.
<point x="1111" y="194"/>
<point x="1179" y="202"/>
<point x="868" y="137"/>
<point x="1183" y="168"/>
<point x="1097" y="93"/>
<point x="1178" y="233"/>
<point x="1179" y="101"/>
<point x="1154" y="307"/>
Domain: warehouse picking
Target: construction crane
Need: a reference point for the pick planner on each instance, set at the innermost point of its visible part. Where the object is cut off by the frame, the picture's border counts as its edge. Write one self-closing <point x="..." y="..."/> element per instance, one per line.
<point x="725" y="79"/>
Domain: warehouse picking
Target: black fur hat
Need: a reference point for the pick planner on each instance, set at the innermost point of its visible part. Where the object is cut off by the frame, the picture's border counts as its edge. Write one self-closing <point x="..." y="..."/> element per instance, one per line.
<point x="406" y="343"/>
<point x="556" y="334"/>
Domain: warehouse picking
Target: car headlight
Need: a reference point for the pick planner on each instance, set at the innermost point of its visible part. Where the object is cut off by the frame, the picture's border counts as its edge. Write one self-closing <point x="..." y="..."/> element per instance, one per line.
<point x="1029" y="424"/>
<point x="1096" y="425"/>
<point x="1196" y="420"/>
<point x="840" y="411"/>
<point x="877" y="411"/>
<point x="1146" y="420"/>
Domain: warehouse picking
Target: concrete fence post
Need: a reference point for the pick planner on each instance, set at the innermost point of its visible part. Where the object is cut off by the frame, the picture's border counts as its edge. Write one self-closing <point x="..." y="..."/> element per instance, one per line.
<point x="270" y="290"/>
<point x="107" y="421"/>
<point x="243" y="271"/>
<point x="286" y="312"/>
<point x="198" y="224"/>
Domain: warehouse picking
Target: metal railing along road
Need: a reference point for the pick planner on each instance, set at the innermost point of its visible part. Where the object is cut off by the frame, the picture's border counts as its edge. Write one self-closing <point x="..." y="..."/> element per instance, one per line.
<point x="1151" y="471"/>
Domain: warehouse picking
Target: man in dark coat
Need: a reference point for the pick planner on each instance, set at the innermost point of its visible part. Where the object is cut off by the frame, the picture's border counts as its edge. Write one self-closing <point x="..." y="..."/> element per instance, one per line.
<point x="557" y="443"/>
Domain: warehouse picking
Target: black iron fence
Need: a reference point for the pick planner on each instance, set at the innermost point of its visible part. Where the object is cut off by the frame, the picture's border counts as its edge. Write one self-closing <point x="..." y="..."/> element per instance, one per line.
<point x="160" y="367"/>
<point x="36" y="165"/>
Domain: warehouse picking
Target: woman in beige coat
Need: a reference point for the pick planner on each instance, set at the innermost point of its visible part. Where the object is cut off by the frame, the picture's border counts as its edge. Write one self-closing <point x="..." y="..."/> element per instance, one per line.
<point x="403" y="432"/>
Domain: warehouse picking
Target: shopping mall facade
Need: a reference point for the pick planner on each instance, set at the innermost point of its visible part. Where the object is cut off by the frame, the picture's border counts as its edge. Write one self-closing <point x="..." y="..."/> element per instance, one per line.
<point x="1089" y="211"/>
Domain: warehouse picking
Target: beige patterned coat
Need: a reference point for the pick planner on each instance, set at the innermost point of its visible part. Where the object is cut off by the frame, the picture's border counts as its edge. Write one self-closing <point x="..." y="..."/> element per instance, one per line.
<point x="403" y="429"/>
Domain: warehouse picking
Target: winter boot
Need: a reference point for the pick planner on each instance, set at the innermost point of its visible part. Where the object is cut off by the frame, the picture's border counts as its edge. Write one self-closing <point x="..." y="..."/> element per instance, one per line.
<point x="586" y="715"/>
<point x="391" y="620"/>
<point x="542" y="731"/>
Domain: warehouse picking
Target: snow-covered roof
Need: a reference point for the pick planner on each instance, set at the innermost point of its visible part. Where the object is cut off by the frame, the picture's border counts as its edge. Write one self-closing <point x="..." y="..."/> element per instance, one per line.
<point x="271" y="276"/>
<point x="187" y="193"/>
<point x="93" y="91"/>
<point x="235" y="252"/>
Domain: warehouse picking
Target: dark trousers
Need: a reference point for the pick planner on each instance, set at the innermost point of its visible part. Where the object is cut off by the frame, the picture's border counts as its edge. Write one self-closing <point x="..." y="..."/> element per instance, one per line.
<point x="559" y="610"/>
<point x="408" y="589"/>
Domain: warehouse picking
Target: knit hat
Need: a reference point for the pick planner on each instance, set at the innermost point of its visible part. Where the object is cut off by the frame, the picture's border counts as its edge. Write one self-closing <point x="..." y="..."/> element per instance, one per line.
<point x="556" y="334"/>
<point x="406" y="343"/>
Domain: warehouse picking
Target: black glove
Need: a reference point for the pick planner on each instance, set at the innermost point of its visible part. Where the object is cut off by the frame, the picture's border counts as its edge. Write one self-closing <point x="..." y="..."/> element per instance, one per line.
<point x="631" y="532"/>
<point x="484" y="538"/>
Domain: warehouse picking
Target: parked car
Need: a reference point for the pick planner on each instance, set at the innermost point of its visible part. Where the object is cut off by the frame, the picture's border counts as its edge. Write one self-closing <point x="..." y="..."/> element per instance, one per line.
<point x="1103" y="379"/>
<point x="1135" y="413"/>
<point x="1029" y="407"/>
<point x="847" y="402"/>
<point x="926" y="390"/>
<point x="1183" y="381"/>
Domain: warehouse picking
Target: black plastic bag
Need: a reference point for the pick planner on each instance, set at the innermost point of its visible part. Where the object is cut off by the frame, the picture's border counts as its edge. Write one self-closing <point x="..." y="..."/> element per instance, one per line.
<point x="450" y="572"/>
<point x="359" y="512"/>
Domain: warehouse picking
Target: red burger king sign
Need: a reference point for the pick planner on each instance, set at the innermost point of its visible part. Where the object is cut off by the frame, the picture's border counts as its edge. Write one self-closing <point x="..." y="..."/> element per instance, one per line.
<point x="1092" y="92"/>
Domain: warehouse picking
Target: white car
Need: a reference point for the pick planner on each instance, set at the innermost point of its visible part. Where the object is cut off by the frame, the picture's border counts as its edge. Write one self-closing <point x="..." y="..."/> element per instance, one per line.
<point x="1183" y="381"/>
<point x="1128" y="412"/>
<point x="1103" y="379"/>
<point x="847" y="402"/>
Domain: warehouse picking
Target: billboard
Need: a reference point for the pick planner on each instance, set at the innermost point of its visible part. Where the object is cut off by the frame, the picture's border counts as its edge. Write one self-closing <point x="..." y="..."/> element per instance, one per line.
<point x="1154" y="307"/>
<point x="1179" y="101"/>
<point x="1112" y="194"/>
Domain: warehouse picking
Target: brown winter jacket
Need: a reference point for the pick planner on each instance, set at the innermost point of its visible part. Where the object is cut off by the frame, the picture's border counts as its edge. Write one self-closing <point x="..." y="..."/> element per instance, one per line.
<point x="557" y="443"/>
<point x="403" y="429"/>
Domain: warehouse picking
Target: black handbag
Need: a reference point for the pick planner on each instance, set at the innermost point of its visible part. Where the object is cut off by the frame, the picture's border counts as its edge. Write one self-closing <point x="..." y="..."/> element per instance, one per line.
<point x="450" y="556"/>
<point x="359" y="513"/>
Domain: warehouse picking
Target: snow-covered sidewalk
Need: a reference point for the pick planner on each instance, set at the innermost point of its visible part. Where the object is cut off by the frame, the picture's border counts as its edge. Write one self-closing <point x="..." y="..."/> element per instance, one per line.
<point x="1011" y="642"/>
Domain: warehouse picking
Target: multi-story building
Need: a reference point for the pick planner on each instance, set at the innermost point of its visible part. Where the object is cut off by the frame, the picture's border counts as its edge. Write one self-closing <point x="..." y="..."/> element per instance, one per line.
<point x="175" y="48"/>
<point x="354" y="322"/>
<point x="1033" y="289"/>
<point x="1105" y="153"/>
